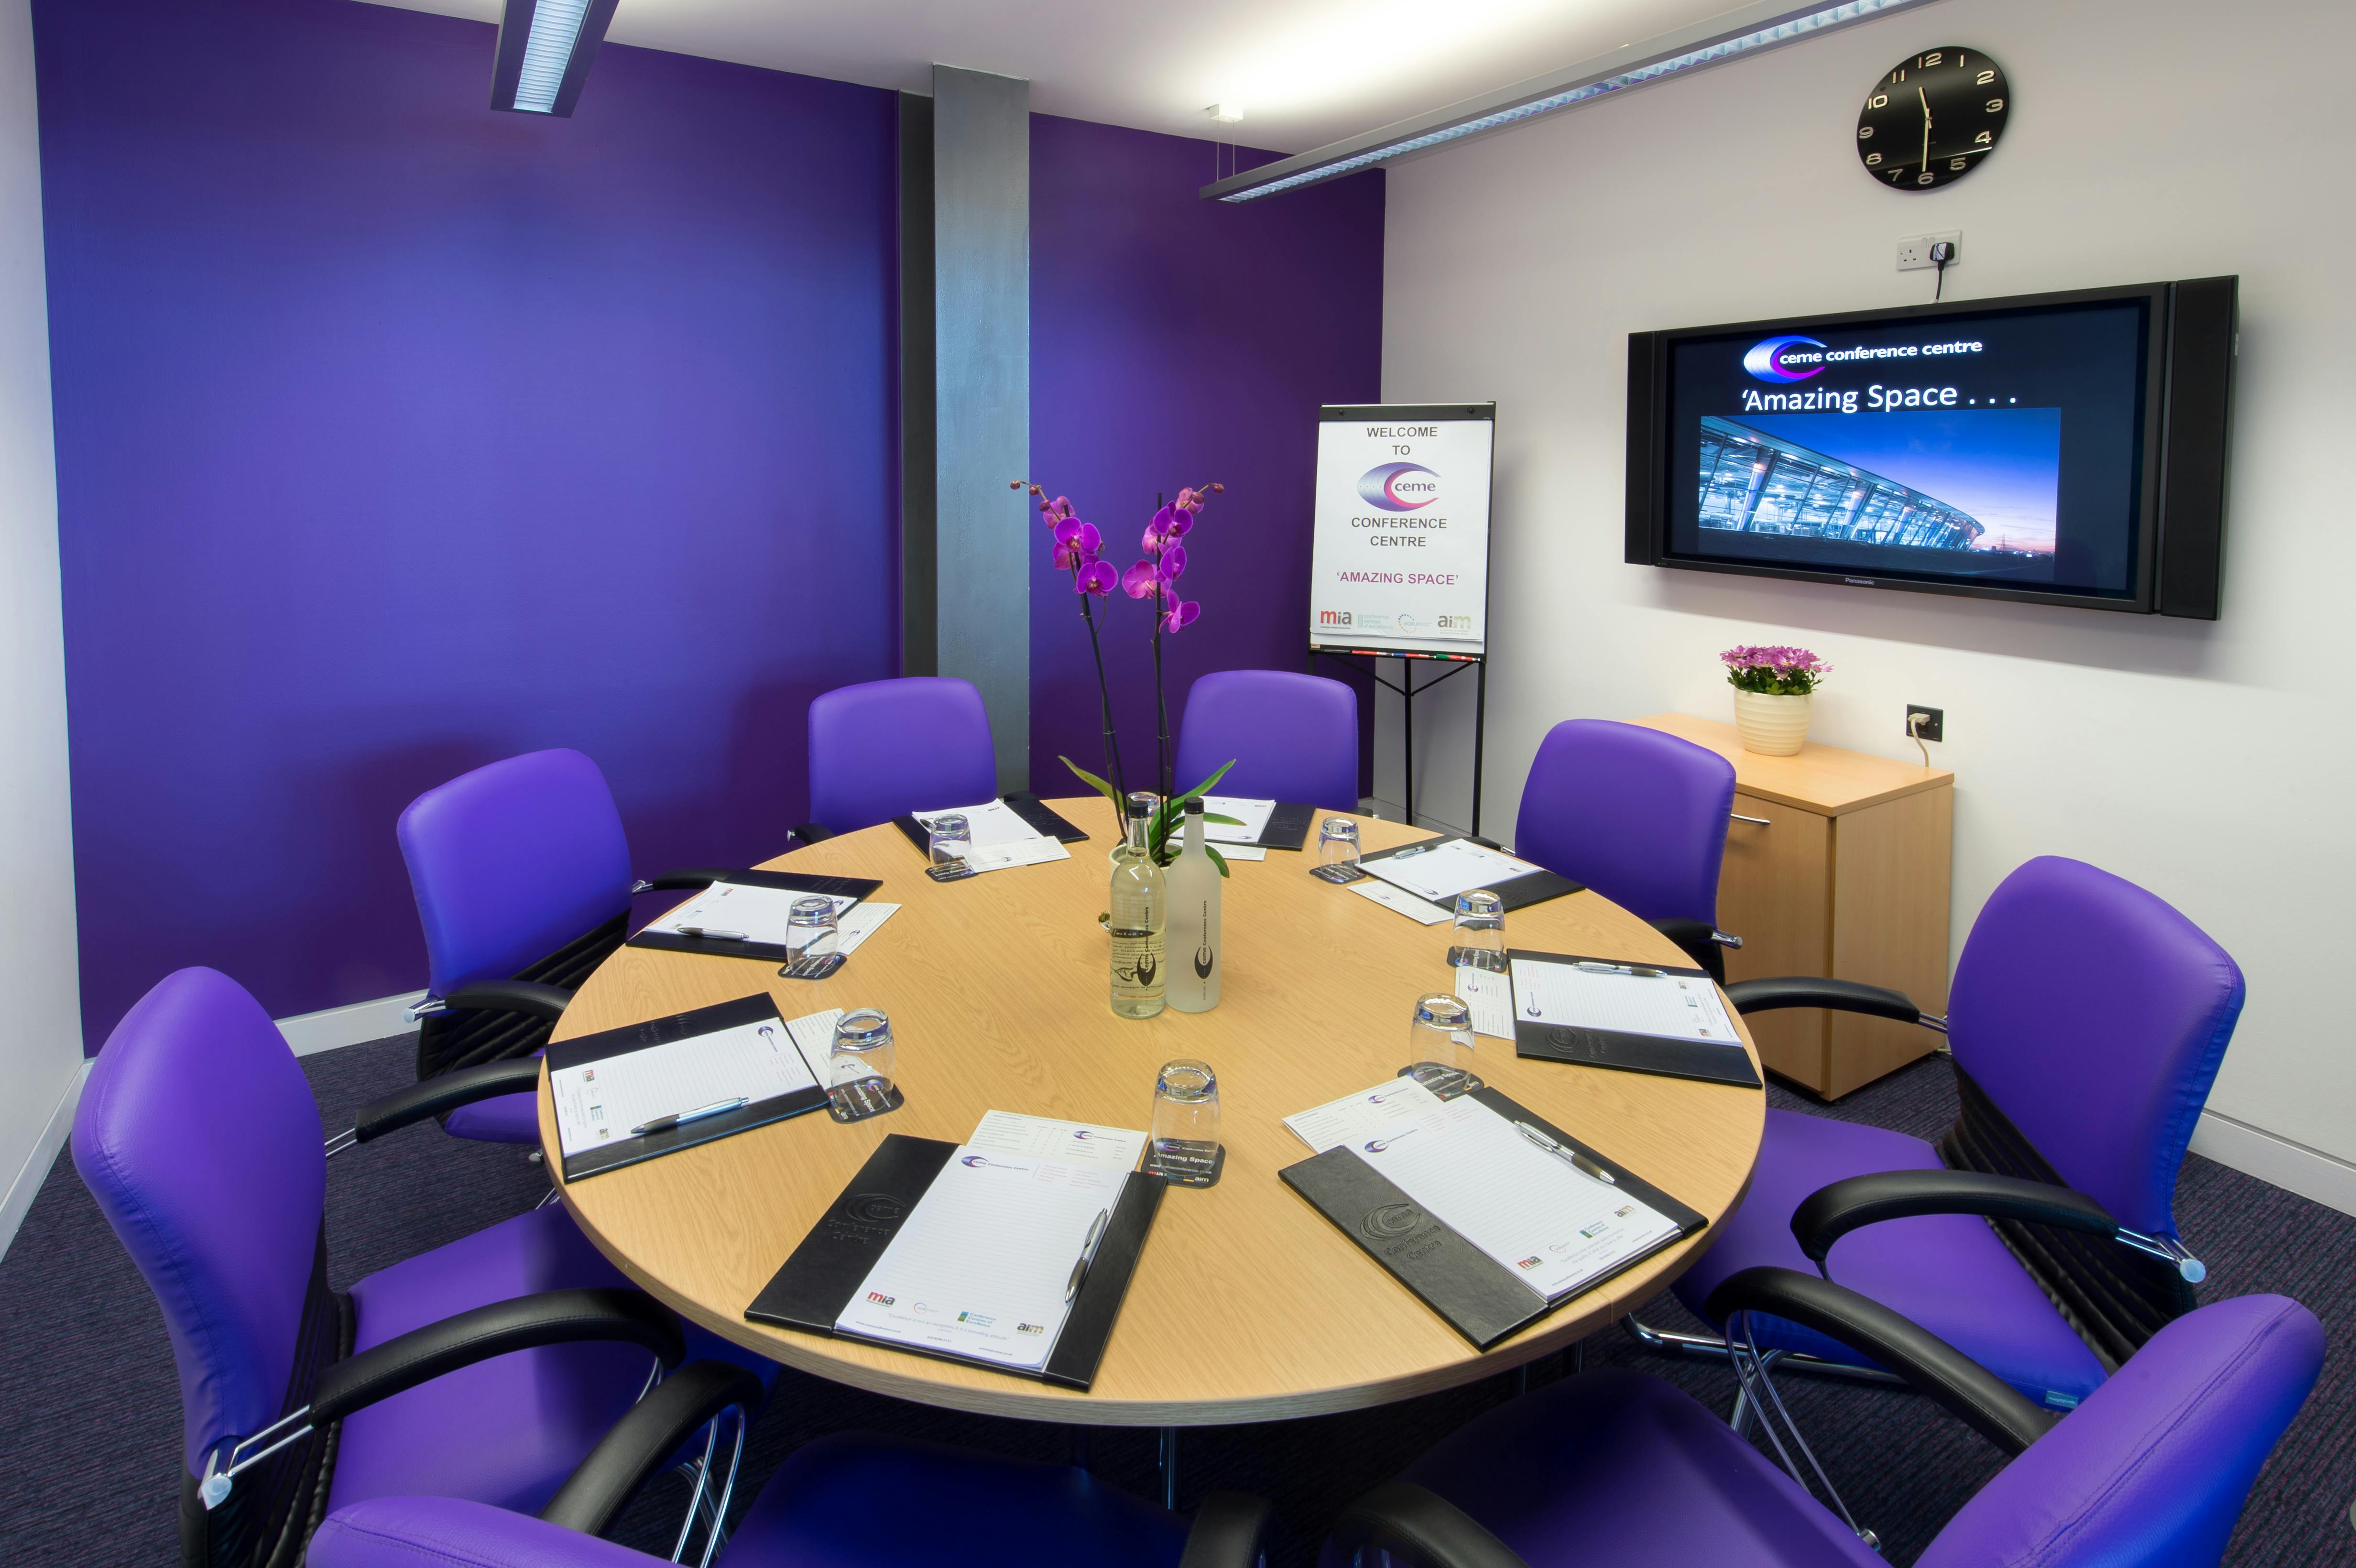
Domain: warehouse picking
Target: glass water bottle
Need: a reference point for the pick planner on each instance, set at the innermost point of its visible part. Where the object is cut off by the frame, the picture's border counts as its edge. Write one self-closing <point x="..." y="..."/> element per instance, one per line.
<point x="1140" y="913"/>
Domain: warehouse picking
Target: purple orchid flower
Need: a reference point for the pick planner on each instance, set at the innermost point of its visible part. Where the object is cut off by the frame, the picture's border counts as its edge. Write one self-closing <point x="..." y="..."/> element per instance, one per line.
<point x="1077" y="544"/>
<point x="1181" y="612"/>
<point x="1169" y="524"/>
<point x="1140" y="581"/>
<point x="1173" y="564"/>
<point x="1098" y="577"/>
<point x="1056" y="511"/>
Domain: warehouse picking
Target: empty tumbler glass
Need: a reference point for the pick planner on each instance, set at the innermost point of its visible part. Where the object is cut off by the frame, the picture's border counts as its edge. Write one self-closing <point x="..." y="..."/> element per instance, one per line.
<point x="1184" y="1146"/>
<point x="951" y="838"/>
<point x="1337" y="846"/>
<point x="813" y="937"/>
<point x="1480" y="935"/>
<point x="862" y="1054"/>
<point x="1440" y="1044"/>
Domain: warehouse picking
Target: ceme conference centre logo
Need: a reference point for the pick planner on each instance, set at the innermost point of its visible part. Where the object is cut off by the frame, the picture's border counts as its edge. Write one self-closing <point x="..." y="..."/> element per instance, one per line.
<point x="1767" y="360"/>
<point x="1393" y="487"/>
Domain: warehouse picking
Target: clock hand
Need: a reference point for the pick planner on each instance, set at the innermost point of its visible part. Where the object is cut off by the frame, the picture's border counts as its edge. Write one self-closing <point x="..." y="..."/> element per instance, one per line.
<point x="1927" y="128"/>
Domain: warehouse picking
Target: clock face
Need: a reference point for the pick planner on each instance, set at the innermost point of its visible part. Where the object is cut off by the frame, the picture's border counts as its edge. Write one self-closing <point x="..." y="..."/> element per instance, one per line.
<point x="1932" y="119"/>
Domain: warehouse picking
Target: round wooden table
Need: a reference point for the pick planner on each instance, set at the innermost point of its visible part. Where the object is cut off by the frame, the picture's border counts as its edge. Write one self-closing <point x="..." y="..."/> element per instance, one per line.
<point x="1246" y="1305"/>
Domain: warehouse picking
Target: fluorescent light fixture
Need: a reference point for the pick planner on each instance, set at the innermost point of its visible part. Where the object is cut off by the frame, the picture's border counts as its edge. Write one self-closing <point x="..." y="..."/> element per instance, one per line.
<point x="545" y="48"/>
<point x="1706" y="43"/>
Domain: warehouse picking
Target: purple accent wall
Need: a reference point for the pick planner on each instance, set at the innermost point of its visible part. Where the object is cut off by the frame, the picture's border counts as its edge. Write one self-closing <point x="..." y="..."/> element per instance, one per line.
<point x="396" y="435"/>
<point x="1173" y="341"/>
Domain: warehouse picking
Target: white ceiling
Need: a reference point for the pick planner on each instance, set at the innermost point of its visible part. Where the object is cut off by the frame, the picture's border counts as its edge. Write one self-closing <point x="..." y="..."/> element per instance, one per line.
<point x="1306" y="72"/>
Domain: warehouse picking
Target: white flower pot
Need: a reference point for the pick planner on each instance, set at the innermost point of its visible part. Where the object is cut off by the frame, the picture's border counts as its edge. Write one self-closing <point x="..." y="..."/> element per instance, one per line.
<point x="1771" y="725"/>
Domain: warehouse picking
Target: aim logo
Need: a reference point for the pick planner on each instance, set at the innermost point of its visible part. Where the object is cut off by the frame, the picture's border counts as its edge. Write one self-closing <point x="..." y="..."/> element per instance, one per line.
<point x="1766" y="361"/>
<point x="1393" y="487"/>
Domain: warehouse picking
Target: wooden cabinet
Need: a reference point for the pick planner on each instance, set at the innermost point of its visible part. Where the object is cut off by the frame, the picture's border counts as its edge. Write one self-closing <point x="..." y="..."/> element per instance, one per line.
<point x="1845" y="874"/>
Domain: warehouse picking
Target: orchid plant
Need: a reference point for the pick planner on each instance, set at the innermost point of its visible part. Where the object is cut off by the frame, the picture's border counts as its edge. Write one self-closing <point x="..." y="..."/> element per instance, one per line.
<point x="1775" y="671"/>
<point x="1078" y="549"/>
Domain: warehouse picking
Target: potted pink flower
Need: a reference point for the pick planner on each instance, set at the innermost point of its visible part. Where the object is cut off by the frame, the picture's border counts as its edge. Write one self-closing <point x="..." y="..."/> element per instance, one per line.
<point x="1772" y="690"/>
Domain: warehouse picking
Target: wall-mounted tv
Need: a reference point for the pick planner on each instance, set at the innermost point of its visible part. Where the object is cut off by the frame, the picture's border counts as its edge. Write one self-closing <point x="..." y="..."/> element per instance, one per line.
<point x="2062" y="449"/>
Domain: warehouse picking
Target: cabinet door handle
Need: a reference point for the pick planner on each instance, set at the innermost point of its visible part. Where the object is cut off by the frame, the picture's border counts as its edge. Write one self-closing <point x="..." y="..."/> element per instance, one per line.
<point x="1760" y="820"/>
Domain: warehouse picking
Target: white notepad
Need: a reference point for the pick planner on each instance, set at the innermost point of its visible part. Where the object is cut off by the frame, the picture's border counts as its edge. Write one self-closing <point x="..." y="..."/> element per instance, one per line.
<point x="983" y="1265"/>
<point x="1000" y="837"/>
<point x="747" y="913"/>
<point x="1622" y="998"/>
<point x="598" y="1104"/>
<point x="1397" y="899"/>
<point x="1489" y="995"/>
<point x="1252" y="814"/>
<point x="1444" y="871"/>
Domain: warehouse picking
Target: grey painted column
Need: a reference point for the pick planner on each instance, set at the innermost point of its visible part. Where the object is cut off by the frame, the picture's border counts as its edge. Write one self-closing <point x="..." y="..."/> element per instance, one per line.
<point x="981" y="346"/>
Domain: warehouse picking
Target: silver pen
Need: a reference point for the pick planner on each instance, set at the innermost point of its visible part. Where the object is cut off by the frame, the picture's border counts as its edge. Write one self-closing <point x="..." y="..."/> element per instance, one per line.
<point x="1641" y="971"/>
<point x="1579" y="1162"/>
<point x="706" y="932"/>
<point x="681" y="1119"/>
<point x="1087" y="1248"/>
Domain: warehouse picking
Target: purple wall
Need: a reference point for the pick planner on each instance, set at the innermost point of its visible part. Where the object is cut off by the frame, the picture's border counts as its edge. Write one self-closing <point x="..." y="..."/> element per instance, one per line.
<point x="1173" y="341"/>
<point x="395" y="436"/>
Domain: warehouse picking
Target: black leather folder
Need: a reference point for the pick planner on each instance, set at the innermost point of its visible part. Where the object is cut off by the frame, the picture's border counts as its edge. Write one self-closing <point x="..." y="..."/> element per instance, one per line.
<point x="852" y="888"/>
<point x="1478" y="1297"/>
<point x="594" y="1047"/>
<point x="1550" y="1041"/>
<point x="819" y="1280"/>
<point x="1517" y="893"/>
<point x="1042" y="817"/>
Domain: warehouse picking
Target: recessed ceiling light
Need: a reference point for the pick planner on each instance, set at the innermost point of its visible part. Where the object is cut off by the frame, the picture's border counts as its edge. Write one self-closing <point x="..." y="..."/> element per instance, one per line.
<point x="544" y="50"/>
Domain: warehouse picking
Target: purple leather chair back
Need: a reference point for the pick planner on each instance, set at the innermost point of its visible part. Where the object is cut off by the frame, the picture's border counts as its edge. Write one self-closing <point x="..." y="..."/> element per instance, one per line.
<point x="1636" y="815"/>
<point x="887" y="748"/>
<point x="199" y="1137"/>
<point x="2154" y="1468"/>
<point x="512" y="861"/>
<point x="2094" y="1016"/>
<point x="1293" y="737"/>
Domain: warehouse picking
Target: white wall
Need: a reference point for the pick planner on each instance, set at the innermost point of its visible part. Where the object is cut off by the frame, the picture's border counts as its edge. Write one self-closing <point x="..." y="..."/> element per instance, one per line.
<point x="2149" y="139"/>
<point x="40" y="1048"/>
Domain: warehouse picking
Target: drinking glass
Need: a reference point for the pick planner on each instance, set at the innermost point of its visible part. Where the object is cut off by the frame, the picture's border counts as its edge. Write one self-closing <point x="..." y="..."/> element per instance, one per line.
<point x="812" y="936"/>
<point x="1480" y="931"/>
<point x="1184" y="1146"/>
<point x="951" y="839"/>
<point x="1440" y="1044"/>
<point x="861" y="1060"/>
<point x="1337" y="844"/>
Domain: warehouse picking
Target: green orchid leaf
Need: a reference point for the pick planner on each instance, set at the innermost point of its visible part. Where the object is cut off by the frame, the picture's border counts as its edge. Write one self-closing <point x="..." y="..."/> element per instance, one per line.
<point x="1216" y="858"/>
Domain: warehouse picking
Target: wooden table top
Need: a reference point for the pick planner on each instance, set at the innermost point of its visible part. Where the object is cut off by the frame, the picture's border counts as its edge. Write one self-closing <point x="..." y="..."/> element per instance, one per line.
<point x="1246" y="1305"/>
<point x="1824" y="779"/>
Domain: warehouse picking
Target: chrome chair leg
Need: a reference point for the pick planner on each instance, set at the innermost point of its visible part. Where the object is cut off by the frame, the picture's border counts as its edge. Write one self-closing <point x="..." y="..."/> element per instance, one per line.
<point x="1710" y="1347"/>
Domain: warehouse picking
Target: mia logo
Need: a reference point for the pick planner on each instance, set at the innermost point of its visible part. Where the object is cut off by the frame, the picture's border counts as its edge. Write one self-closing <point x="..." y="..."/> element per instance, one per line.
<point x="1398" y="486"/>
<point x="880" y="1299"/>
<point x="1391" y="1222"/>
<point x="1773" y="359"/>
<point x="1333" y="617"/>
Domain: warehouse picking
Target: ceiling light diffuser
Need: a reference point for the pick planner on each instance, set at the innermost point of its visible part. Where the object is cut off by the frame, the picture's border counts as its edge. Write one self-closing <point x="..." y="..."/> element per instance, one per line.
<point x="544" y="50"/>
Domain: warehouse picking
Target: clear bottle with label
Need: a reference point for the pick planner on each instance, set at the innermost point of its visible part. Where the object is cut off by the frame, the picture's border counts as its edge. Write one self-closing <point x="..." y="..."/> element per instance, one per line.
<point x="1193" y="940"/>
<point x="1141" y="915"/>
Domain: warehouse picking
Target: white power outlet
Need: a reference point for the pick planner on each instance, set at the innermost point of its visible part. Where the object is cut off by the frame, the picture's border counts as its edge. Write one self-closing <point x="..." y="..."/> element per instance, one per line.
<point x="1914" y="254"/>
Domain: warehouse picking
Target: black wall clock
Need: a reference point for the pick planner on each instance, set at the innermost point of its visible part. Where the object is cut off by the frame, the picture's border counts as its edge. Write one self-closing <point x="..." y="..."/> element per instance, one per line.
<point x="1933" y="119"/>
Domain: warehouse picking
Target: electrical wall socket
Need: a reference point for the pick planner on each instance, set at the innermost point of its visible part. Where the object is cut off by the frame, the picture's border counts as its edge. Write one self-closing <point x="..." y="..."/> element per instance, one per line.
<point x="1914" y="254"/>
<point x="1932" y="726"/>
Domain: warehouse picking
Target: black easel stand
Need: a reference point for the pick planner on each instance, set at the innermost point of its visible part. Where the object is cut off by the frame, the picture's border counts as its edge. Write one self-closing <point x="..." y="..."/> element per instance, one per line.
<point x="1408" y="692"/>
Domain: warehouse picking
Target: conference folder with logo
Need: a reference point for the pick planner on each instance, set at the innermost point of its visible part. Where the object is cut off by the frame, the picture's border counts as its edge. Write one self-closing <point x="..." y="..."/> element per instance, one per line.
<point x="1012" y="1250"/>
<point x="744" y="915"/>
<point x="629" y="1095"/>
<point x="1258" y="824"/>
<point x="1638" y="1018"/>
<point x="1492" y="1215"/>
<point x="1437" y="869"/>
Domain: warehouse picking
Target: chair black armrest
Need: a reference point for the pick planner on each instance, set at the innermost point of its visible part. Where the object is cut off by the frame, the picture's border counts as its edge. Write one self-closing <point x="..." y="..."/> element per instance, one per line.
<point x="447" y="1093"/>
<point x="526" y="1322"/>
<point x="509" y="997"/>
<point x="1698" y="939"/>
<point x="1981" y="1399"/>
<point x="1421" y="1527"/>
<point x="643" y="1442"/>
<point x="1827" y="1214"/>
<point x="1807" y="991"/>
<point x="1230" y="1530"/>
<point x="688" y="878"/>
<point x="813" y="832"/>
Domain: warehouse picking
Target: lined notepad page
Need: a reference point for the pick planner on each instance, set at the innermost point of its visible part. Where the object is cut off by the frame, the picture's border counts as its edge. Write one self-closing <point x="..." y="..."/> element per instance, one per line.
<point x="753" y="914"/>
<point x="599" y="1103"/>
<point x="981" y="1265"/>
<point x="1444" y="871"/>
<point x="1673" y="1006"/>
<point x="1000" y="837"/>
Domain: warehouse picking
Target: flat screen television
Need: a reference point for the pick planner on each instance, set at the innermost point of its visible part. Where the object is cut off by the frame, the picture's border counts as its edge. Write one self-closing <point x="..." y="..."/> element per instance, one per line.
<point x="2061" y="449"/>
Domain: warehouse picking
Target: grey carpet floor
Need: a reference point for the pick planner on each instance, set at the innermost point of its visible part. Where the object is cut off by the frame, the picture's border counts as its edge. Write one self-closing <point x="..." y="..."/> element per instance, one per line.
<point x="89" y="1444"/>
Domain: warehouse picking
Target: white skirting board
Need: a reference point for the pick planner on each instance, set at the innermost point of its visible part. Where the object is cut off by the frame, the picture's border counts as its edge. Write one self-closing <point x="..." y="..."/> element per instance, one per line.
<point x="2312" y="1174"/>
<point x="35" y="1169"/>
<point x="310" y="1033"/>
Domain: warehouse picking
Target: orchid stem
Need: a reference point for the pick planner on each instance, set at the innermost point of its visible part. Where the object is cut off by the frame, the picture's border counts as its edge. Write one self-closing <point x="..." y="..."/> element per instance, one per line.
<point x="1104" y="696"/>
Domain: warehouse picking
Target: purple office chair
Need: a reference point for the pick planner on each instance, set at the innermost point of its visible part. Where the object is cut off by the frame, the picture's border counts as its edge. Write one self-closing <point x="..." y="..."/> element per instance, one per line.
<point x="846" y="1501"/>
<point x="1639" y="817"/>
<point x="522" y="876"/>
<point x="1614" y="1469"/>
<point x="887" y="748"/>
<point x="2039" y="1236"/>
<point x="485" y="1370"/>
<point x="1291" y="737"/>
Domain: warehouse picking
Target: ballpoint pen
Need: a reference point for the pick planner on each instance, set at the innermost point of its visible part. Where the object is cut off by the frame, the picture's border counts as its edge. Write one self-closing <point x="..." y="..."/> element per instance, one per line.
<point x="1579" y="1162"/>
<point x="1641" y="971"/>
<point x="707" y="932"/>
<point x="1080" y="1269"/>
<point x="664" y="1124"/>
